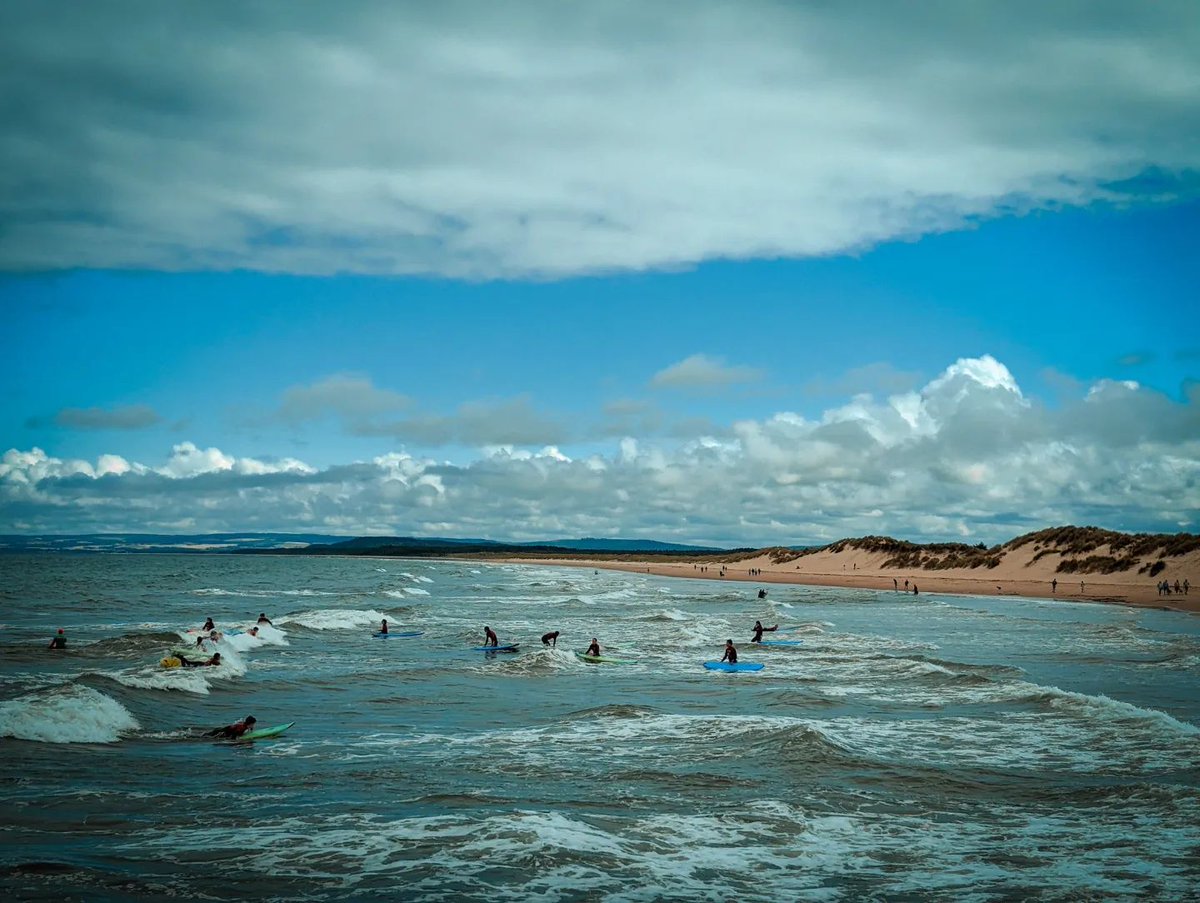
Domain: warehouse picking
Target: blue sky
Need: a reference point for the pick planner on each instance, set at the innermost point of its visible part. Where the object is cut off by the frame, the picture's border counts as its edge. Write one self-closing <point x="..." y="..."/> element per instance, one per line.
<point x="764" y="297"/>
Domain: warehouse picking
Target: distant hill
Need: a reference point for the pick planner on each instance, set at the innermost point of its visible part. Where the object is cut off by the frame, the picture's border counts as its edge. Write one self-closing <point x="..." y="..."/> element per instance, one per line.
<point x="623" y="545"/>
<point x="157" y="542"/>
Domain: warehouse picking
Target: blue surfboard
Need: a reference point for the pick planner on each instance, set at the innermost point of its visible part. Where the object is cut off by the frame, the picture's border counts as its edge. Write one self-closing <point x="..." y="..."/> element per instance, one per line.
<point x="400" y="634"/>
<point x="740" y="666"/>
<point x="509" y="648"/>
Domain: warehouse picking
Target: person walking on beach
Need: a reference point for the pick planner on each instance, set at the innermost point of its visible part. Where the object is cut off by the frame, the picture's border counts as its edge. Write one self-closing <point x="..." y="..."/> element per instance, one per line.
<point x="594" y="649"/>
<point x="758" y="631"/>
<point x="730" y="653"/>
<point x="916" y="592"/>
<point x="489" y="637"/>
<point x="1054" y="585"/>
<point x="550" y="639"/>
<point x="58" y="641"/>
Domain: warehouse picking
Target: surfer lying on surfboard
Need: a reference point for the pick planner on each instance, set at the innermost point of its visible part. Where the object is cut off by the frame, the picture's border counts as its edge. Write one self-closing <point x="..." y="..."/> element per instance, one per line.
<point x="188" y="663"/>
<point x="235" y="730"/>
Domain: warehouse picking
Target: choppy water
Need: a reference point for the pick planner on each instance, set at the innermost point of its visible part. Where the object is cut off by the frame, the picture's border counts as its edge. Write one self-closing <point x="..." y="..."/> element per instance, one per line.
<point x="913" y="748"/>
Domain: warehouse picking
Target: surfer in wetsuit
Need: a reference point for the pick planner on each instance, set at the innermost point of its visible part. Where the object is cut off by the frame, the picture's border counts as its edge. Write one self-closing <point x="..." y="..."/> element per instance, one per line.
<point x="550" y="639"/>
<point x="263" y="619"/>
<point x="730" y="653"/>
<point x="59" y="640"/>
<point x="594" y="649"/>
<point x="209" y="625"/>
<point x="188" y="663"/>
<point x="489" y="637"/>
<point x="383" y="626"/>
<point x="758" y="631"/>
<point x="235" y="730"/>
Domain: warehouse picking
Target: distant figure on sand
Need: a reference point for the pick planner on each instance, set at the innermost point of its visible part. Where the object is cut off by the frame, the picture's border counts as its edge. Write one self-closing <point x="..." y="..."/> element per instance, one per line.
<point x="550" y="639"/>
<point x="916" y="592"/>
<point x="730" y="653"/>
<point x="1054" y="585"/>
<point x="758" y="631"/>
<point x="895" y="584"/>
<point x="489" y="637"/>
<point x="594" y="649"/>
<point x="58" y="641"/>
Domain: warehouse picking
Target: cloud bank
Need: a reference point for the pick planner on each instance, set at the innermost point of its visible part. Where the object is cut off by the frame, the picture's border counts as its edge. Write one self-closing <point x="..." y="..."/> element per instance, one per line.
<point x="534" y="139"/>
<point x="967" y="456"/>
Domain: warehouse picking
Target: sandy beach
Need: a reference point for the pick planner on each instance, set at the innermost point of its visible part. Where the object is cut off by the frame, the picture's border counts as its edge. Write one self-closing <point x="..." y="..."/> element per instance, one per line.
<point x="1020" y="573"/>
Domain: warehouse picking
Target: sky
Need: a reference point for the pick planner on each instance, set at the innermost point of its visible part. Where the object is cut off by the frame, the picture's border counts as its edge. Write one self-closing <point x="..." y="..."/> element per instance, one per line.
<point x="762" y="274"/>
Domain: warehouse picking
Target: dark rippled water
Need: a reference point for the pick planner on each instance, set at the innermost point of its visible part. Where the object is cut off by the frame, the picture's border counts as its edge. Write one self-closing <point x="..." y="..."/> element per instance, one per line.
<point x="929" y="748"/>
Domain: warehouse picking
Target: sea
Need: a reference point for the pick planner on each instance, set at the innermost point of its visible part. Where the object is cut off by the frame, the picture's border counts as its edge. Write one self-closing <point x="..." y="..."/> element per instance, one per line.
<point x="928" y="747"/>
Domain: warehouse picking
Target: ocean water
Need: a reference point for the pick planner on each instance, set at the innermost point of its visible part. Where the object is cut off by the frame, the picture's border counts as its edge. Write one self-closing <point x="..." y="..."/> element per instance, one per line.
<point x="923" y="748"/>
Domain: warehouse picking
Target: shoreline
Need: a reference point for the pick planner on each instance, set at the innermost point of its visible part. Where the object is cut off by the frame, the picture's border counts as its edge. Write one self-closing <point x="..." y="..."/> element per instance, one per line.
<point x="1099" y="588"/>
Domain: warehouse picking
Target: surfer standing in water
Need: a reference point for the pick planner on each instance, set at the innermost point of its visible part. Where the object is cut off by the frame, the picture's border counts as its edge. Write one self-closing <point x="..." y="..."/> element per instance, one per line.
<point x="59" y="640"/>
<point x="489" y="637"/>
<point x="594" y="649"/>
<point x="730" y="653"/>
<point x="263" y="619"/>
<point x="209" y="625"/>
<point x="758" y="631"/>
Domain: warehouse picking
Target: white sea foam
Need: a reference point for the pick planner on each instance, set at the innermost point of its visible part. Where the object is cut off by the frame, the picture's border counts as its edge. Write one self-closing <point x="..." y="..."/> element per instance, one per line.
<point x="334" y="618"/>
<point x="415" y="591"/>
<point x="67" y="713"/>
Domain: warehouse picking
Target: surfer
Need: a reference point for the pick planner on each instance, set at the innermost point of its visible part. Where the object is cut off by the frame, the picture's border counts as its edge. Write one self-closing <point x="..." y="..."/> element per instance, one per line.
<point x="594" y="649"/>
<point x="758" y="631"/>
<point x="209" y="625"/>
<point x="489" y="637"/>
<point x="58" y="641"/>
<point x="253" y="631"/>
<point x="263" y="619"/>
<point x="730" y="653"/>
<point x="383" y="626"/>
<point x="762" y="594"/>
<point x="550" y="639"/>
<point x="235" y="730"/>
<point x="188" y="663"/>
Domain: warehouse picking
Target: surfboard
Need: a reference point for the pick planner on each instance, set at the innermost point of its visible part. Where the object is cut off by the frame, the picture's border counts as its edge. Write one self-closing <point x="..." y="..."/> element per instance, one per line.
<point x="263" y="733"/>
<point x="740" y="666"/>
<point x="603" y="659"/>
<point x="401" y="635"/>
<point x="780" y="643"/>
<point x="510" y="648"/>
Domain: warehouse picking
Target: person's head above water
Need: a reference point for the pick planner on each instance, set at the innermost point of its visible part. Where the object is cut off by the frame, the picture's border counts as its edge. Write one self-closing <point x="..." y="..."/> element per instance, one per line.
<point x="729" y="642"/>
<point x="250" y="719"/>
<point x="60" y="630"/>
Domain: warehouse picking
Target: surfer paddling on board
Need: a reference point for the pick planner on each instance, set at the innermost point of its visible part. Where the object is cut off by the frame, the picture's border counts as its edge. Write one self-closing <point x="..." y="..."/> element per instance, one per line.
<point x="594" y="649"/>
<point x="58" y="641"/>
<point x="235" y="730"/>
<point x="759" y="629"/>
<point x="489" y="637"/>
<point x="550" y="639"/>
<point x="215" y="661"/>
<point x="383" y="626"/>
<point x="730" y="653"/>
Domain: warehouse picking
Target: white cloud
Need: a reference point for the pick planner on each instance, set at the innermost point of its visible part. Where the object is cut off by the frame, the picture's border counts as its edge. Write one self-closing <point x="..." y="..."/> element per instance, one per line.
<point x="967" y="455"/>
<point x="530" y="139"/>
<point x="699" y="371"/>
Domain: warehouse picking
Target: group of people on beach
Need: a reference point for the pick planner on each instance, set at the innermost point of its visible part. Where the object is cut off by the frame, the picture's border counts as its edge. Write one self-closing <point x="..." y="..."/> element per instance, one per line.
<point x="1164" y="588"/>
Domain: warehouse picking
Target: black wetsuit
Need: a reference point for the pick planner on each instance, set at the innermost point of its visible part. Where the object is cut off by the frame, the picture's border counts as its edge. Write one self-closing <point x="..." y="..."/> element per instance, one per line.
<point x="730" y="655"/>
<point x="59" y="642"/>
